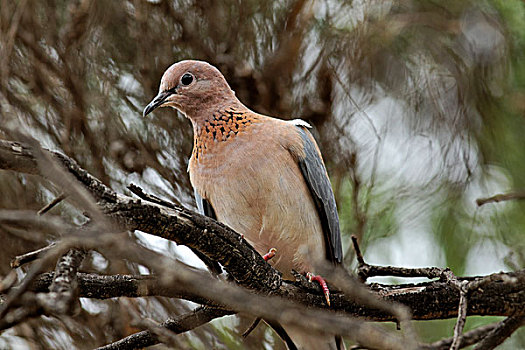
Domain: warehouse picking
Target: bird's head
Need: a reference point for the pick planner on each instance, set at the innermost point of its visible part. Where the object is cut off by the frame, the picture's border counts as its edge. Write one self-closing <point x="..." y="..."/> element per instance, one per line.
<point x="192" y="87"/>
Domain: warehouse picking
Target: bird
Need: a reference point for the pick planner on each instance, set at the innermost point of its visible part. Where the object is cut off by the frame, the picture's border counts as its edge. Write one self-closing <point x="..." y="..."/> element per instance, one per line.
<point x="264" y="177"/>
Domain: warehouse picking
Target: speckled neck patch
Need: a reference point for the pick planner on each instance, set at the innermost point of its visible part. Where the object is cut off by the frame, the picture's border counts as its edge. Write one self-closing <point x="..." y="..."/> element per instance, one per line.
<point x="223" y="126"/>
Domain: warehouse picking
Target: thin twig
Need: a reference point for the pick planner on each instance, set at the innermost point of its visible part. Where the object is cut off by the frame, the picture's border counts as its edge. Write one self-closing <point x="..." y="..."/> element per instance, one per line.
<point x="359" y="255"/>
<point x="359" y="215"/>
<point x="20" y="314"/>
<point x="149" y="197"/>
<point x="177" y="325"/>
<point x="468" y="338"/>
<point x="55" y="172"/>
<point x="501" y="197"/>
<point x="52" y="204"/>
<point x="165" y="335"/>
<point x="250" y="329"/>
<point x="462" y="316"/>
<point x="31" y="256"/>
<point x="503" y="330"/>
<point x="8" y="281"/>
<point x="86" y="238"/>
<point x="365" y="270"/>
<point x="33" y="272"/>
<point x="352" y="288"/>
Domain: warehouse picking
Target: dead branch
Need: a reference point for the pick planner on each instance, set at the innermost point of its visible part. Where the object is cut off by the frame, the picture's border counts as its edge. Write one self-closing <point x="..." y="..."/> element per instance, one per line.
<point x="62" y="297"/>
<point x="462" y="315"/>
<point x="416" y="296"/>
<point x="242" y="262"/>
<point x="501" y="331"/>
<point x="468" y="338"/>
<point x="501" y="198"/>
<point x="464" y="287"/>
<point x="113" y="286"/>
<point x="364" y="270"/>
<point x="52" y="204"/>
<point x="177" y="325"/>
<point x="248" y="269"/>
<point x="235" y="298"/>
<point x="20" y="260"/>
<point x="180" y="225"/>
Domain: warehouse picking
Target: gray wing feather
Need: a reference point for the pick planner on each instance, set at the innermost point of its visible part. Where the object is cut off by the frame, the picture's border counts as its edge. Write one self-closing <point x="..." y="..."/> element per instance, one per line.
<point x="204" y="207"/>
<point x="314" y="173"/>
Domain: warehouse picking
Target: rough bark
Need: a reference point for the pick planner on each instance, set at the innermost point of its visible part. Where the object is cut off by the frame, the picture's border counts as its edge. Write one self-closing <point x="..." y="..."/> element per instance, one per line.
<point x="500" y="294"/>
<point x="430" y="300"/>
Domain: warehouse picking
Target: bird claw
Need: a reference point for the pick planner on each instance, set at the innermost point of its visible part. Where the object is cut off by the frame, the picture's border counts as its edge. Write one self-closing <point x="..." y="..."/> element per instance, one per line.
<point x="270" y="254"/>
<point x="311" y="277"/>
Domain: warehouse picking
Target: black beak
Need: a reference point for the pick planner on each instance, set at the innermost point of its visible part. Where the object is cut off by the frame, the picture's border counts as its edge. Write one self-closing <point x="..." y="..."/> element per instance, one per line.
<point x="157" y="102"/>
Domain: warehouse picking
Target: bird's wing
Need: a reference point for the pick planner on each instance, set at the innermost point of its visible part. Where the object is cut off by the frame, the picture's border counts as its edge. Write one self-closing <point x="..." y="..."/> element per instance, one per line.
<point x="204" y="207"/>
<point x="316" y="177"/>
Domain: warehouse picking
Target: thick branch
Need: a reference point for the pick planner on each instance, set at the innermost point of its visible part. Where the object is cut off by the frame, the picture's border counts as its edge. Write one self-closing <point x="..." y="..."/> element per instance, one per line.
<point x="114" y="286"/>
<point x="431" y="300"/>
<point x="428" y="301"/>
<point x="502" y="294"/>
<point x="180" y="225"/>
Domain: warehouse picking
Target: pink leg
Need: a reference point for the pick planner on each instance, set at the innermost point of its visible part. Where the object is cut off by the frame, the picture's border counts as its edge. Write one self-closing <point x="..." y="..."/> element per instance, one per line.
<point x="270" y="254"/>
<point x="311" y="277"/>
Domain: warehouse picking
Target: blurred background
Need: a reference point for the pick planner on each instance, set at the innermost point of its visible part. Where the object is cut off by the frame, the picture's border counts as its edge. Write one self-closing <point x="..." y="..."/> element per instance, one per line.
<point x="418" y="107"/>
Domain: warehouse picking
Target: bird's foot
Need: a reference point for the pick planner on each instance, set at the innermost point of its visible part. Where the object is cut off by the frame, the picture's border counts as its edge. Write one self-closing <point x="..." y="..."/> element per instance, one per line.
<point x="270" y="254"/>
<point x="311" y="277"/>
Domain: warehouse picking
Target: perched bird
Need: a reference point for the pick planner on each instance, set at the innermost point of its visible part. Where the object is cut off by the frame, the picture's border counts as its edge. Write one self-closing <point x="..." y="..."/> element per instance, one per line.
<point x="263" y="177"/>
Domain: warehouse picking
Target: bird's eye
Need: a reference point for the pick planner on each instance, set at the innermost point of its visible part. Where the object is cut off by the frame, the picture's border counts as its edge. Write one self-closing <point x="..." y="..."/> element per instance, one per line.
<point x="186" y="79"/>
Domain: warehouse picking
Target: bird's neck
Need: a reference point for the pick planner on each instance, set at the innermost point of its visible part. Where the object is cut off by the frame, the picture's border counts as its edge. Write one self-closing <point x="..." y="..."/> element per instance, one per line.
<point x="221" y="125"/>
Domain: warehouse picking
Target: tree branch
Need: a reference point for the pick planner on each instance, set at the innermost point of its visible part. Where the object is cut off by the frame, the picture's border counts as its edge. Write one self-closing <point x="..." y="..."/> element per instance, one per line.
<point x="249" y="269"/>
<point x="437" y="299"/>
<point x="431" y="300"/>
<point x="501" y="197"/>
<point x="20" y="260"/>
<point x="502" y="331"/>
<point x="181" y="324"/>
<point x="62" y="297"/>
<point x="180" y="225"/>
<point x="365" y="271"/>
<point x="468" y="338"/>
